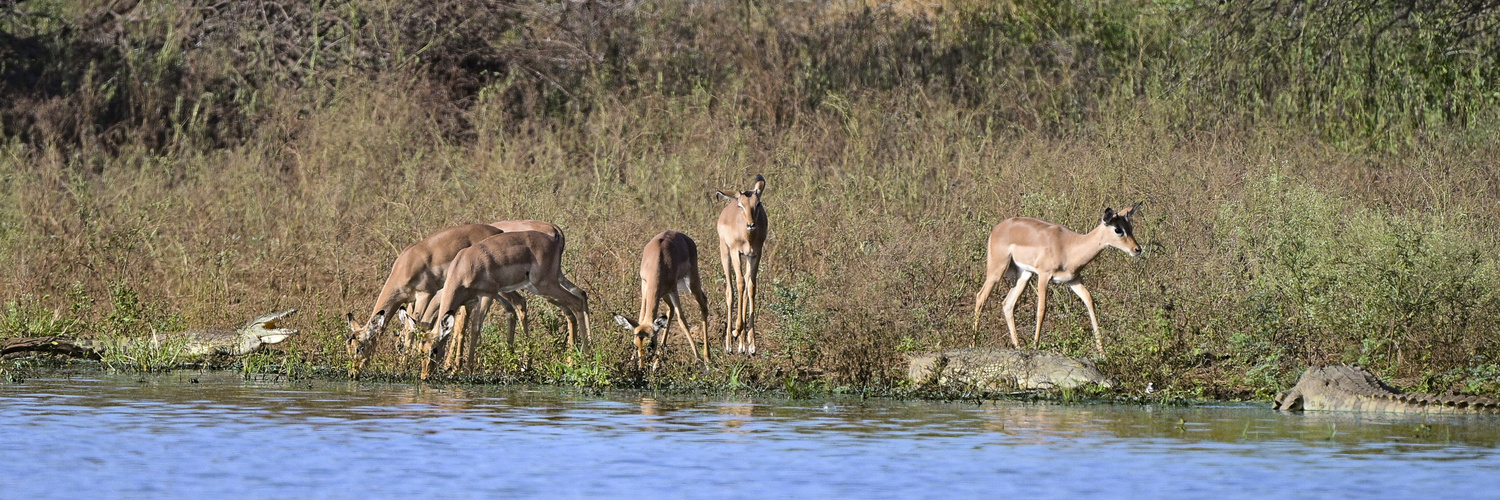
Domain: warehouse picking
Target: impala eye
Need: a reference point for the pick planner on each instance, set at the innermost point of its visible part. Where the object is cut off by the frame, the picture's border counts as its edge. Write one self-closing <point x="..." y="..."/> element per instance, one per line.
<point x="1119" y="232"/>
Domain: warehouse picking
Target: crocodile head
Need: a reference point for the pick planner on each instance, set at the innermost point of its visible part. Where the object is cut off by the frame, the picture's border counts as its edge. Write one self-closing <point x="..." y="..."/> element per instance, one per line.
<point x="1288" y="400"/>
<point x="262" y="330"/>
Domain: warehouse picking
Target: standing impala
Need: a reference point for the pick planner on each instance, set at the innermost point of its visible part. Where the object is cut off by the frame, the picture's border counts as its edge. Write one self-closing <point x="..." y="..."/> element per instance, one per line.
<point x="669" y="264"/>
<point x="742" y="234"/>
<point x="1053" y="253"/>
<point x="503" y="263"/>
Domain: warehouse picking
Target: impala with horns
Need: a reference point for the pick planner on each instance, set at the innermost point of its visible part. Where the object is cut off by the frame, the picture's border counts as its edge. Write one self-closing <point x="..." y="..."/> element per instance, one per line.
<point x="742" y="230"/>
<point x="1023" y="247"/>
<point x="669" y="264"/>
<point x="503" y="263"/>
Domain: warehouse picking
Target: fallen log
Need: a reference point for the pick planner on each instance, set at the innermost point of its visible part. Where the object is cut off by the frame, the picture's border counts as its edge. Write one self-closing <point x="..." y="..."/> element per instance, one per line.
<point x="50" y="345"/>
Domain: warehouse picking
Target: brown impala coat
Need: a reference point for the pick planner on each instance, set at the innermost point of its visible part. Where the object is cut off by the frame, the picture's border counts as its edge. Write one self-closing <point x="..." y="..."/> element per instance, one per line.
<point x="1024" y="246"/>
<point x="503" y="263"/>
<point x="669" y="264"/>
<point x="742" y="230"/>
<point x="417" y="274"/>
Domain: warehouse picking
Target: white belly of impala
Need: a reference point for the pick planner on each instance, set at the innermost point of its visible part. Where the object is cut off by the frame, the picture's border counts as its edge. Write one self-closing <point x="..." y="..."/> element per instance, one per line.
<point x="1032" y="270"/>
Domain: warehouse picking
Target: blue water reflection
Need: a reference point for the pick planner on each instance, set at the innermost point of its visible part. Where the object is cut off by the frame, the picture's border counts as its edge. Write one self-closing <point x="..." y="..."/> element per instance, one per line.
<point x="167" y="437"/>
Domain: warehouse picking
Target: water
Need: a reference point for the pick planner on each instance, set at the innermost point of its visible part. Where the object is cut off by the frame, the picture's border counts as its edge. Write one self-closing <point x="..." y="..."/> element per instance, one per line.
<point x="164" y="436"/>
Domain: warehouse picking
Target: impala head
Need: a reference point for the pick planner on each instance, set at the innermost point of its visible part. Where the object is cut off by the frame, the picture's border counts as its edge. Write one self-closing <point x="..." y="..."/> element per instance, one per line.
<point x="644" y="334"/>
<point x="444" y="327"/>
<point x="1121" y="235"/>
<point x="748" y="202"/>
<point x="361" y="338"/>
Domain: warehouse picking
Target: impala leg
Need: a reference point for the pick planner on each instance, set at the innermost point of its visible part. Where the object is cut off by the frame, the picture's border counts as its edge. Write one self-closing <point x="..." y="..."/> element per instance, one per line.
<point x="513" y="304"/>
<point x="569" y="317"/>
<point x="979" y="300"/>
<point x="476" y="335"/>
<point x="659" y="338"/>
<point x="1088" y="303"/>
<point x="572" y="288"/>
<point x="582" y="311"/>
<point x="523" y="315"/>
<point x="1010" y="307"/>
<point x="417" y="309"/>
<point x="1042" y="280"/>
<point x="754" y="277"/>
<point x="573" y="309"/>
<point x="675" y="302"/>
<point x="696" y="286"/>
<point x="648" y="309"/>
<point x="737" y="261"/>
<point x="510" y="319"/>
<point x="724" y="255"/>
<point x="453" y="353"/>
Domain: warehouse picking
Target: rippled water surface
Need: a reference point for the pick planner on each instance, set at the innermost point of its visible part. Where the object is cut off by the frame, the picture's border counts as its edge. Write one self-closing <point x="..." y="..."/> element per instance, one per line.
<point x="215" y="435"/>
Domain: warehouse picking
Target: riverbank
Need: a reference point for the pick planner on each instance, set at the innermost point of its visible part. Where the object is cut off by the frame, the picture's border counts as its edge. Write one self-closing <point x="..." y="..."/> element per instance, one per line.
<point x="199" y="167"/>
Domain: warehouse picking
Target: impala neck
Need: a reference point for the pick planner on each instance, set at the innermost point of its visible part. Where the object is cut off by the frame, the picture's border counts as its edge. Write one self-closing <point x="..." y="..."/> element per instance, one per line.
<point x="1087" y="246"/>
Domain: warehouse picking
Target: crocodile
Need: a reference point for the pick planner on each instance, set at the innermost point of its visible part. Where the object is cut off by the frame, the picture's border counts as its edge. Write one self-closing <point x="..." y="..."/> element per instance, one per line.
<point x="1352" y="388"/>
<point x="992" y="369"/>
<point x="254" y="335"/>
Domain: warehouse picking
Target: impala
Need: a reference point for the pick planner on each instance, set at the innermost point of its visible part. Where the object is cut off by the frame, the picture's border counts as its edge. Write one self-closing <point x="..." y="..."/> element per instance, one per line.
<point x="418" y="273"/>
<point x="515" y="305"/>
<point x="742" y="234"/>
<point x="669" y="264"/>
<point x="503" y="263"/>
<point x="1054" y="254"/>
<point x="548" y="228"/>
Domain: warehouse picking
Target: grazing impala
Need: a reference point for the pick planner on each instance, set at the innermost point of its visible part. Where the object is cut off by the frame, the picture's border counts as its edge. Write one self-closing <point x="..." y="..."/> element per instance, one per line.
<point x="742" y="234"/>
<point x="418" y="273"/>
<point x="515" y="305"/>
<point x="1053" y="253"/>
<point x="503" y="263"/>
<point x="548" y="228"/>
<point x="668" y="265"/>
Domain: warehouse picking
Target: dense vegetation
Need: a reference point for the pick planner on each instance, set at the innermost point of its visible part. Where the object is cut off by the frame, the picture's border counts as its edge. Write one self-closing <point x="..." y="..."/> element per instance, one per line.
<point x="1318" y="178"/>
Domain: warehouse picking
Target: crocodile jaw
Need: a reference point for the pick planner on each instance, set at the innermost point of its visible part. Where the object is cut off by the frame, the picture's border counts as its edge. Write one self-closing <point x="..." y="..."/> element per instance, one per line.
<point x="263" y="330"/>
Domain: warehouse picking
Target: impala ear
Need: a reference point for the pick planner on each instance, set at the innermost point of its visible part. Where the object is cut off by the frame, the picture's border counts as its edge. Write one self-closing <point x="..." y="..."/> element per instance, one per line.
<point x="406" y="318"/>
<point x="378" y="321"/>
<point x="659" y="325"/>
<point x="446" y="327"/>
<point x="1126" y="213"/>
<point x="725" y="195"/>
<point x="760" y="184"/>
<point x="625" y="322"/>
<point x="1109" y="216"/>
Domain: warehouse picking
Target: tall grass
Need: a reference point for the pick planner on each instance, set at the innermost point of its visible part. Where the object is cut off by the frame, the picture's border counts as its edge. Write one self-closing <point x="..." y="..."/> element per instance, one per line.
<point x="1299" y="208"/>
